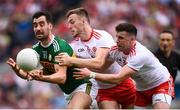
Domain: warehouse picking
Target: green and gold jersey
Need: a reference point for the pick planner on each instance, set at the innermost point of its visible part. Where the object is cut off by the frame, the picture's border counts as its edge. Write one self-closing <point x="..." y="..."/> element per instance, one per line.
<point x="47" y="59"/>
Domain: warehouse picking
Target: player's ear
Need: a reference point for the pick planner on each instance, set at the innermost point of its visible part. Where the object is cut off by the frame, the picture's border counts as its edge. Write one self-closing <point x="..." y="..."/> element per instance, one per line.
<point x="83" y="20"/>
<point x="50" y="25"/>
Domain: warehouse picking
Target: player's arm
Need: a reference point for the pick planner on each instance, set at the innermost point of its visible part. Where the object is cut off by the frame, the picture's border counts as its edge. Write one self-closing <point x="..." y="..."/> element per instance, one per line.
<point x="96" y="63"/>
<point x="124" y="73"/>
<point x="59" y="77"/>
<point x="17" y="70"/>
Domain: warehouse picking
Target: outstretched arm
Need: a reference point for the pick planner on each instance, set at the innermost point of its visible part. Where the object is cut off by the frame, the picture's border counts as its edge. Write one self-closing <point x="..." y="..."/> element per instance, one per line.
<point x="96" y="63"/>
<point x="59" y="77"/>
<point x="124" y="73"/>
<point x="17" y="70"/>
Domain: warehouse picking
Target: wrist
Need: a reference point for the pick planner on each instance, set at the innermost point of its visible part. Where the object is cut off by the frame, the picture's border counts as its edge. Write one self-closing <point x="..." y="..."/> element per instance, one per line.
<point x="92" y="75"/>
<point x="16" y="68"/>
<point x="28" y="76"/>
<point x="71" y="61"/>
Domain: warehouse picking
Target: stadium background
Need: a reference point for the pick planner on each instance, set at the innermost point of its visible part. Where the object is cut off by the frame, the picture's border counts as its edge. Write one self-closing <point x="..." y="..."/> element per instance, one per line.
<point x="150" y="17"/>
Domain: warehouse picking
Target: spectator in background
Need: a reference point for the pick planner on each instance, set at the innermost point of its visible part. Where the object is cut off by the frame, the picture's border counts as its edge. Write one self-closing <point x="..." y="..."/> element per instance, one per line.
<point x="166" y="55"/>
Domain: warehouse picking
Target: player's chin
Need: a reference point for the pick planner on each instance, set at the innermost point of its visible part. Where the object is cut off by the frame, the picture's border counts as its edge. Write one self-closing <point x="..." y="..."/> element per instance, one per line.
<point x="74" y="34"/>
<point x="39" y="37"/>
<point x="120" y="49"/>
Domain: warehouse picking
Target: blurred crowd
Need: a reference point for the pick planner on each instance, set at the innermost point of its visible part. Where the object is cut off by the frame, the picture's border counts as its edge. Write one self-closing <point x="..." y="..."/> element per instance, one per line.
<point x="150" y="17"/>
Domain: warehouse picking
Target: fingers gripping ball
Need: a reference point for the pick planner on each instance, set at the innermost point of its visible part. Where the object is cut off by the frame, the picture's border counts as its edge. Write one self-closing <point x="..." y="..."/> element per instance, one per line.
<point x="28" y="59"/>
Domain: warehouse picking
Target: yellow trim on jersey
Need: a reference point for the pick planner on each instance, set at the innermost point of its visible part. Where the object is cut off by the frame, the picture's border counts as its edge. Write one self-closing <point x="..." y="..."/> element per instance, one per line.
<point x="88" y="88"/>
<point x="73" y="55"/>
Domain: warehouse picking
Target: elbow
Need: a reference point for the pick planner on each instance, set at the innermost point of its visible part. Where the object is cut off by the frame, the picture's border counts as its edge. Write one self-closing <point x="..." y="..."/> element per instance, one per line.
<point x="112" y="81"/>
<point x="98" y="67"/>
<point x="62" y="79"/>
<point x="99" y="64"/>
<point x="116" y="79"/>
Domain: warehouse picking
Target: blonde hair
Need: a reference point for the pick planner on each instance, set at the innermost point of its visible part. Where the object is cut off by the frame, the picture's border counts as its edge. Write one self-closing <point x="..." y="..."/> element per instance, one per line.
<point x="80" y="12"/>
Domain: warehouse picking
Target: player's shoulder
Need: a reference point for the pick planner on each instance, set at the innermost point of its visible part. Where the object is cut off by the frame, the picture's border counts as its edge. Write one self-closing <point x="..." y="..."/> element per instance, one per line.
<point x="59" y="41"/>
<point x="114" y="51"/>
<point x="35" y="45"/>
<point x="101" y="34"/>
<point x="57" y="38"/>
<point x="140" y="48"/>
<point x="140" y="51"/>
<point x="114" y="48"/>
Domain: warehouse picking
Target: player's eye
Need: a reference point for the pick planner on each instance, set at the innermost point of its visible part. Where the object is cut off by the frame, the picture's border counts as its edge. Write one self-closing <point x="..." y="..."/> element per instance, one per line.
<point x="162" y="39"/>
<point x="168" y="40"/>
<point x="72" y="22"/>
<point x="41" y="24"/>
<point x="34" y="25"/>
<point x="119" y="37"/>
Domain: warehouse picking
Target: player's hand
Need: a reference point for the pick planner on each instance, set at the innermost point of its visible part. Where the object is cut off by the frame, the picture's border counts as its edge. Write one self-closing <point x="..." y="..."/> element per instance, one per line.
<point x="81" y="73"/>
<point x="63" y="59"/>
<point x="36" y="74"/>
<point x="16" y="68"/>
<point x="13" y="65"/>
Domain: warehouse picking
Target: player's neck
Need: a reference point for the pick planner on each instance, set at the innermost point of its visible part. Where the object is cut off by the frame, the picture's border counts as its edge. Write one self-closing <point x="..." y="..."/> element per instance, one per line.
<point x="127" y="51"/>
<point x="47" y="41"/>
<point x="86" y="34"/>
<point x="131" y="48"/>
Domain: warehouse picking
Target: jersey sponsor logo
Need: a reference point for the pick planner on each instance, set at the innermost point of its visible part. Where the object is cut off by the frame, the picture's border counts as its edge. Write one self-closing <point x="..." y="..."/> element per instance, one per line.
<point x="94" y="49"/>
<point x="81" y="50"/>
<point x="91" y="52"/>
<point x="121" y="61"/>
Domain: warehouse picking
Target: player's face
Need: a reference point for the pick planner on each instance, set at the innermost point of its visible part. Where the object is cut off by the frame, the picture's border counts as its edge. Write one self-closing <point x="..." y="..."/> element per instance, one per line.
<point x="166" y="42"/>
<point x="75" y="24"/>
<point x="41" y="28"/>
<point x="123" y="41"/>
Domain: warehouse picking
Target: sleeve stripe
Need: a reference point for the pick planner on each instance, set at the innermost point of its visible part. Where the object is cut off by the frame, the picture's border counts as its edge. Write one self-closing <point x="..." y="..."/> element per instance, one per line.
<point x="34" y="46"/>
<point x="56" y="46"/>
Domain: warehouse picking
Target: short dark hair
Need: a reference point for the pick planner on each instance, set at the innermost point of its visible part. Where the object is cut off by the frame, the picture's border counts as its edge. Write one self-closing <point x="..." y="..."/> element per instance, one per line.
<point x="169" y="32"/>
<point x="79" y="11"/>
<point x="47" y="15"/>
<point x="130" y="28"/>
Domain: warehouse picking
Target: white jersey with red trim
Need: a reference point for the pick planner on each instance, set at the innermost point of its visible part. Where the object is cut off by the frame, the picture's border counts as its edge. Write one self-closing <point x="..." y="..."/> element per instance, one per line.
<point x="87" y="49"/>
<point x="150" y="72"/>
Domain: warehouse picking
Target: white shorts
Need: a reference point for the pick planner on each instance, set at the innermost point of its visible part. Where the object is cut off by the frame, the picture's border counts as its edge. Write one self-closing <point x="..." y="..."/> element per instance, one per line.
<point x="89" y="88"/>
<point x="157" y="98"/>
<point x="161" y="98"/>
<point x="162" y="93"/>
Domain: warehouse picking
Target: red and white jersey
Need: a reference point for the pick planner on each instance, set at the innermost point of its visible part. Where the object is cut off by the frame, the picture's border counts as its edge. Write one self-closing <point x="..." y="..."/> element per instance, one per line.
<point x="150" y="72"/>
<point x="87" y="49"/>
